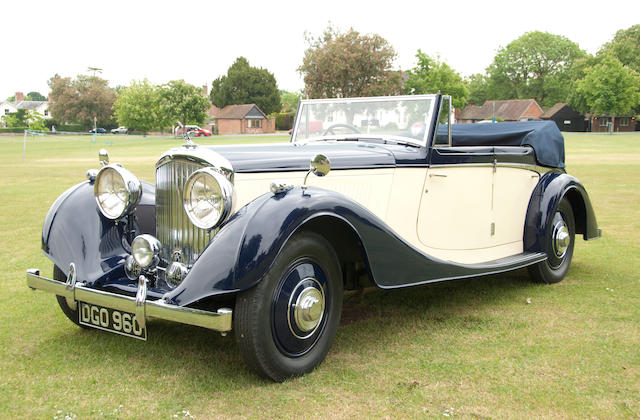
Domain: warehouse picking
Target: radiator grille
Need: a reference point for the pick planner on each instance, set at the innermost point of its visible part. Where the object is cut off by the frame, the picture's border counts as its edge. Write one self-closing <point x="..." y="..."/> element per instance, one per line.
<point x="173" y="228"/>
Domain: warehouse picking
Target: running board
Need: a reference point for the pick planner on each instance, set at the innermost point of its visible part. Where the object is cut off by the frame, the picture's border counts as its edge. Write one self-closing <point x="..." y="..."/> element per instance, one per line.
<point x="464" y="271"/>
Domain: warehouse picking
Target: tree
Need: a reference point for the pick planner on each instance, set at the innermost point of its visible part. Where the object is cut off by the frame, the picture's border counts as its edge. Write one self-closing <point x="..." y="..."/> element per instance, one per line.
<point x="536" y="65"/>
<point x="478" y="85"/>
<point x="349" y="65"/>
<point x="625" y="46"/>
<point x="289" y="100"/>
<point x="16" y="119"/>
<point x="80" y="100"/>
<point x="608" y="88"/>
<point x="432" y="75"/>
<point x="36" y="121"/>
<point x="35" y="96"/>
<point x="138" y="106"/>
<point x="180" y="101"/>
<point x="245" y="84"/>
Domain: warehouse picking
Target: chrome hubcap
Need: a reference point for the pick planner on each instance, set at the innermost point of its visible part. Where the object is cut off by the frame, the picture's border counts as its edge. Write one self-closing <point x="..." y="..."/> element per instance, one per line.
<point x="309" y="309"/>
<point x="561" y="238"/>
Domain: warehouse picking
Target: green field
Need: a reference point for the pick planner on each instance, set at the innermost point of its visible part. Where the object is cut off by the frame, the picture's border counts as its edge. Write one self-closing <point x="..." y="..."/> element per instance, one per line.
<point x="494" y="347"/>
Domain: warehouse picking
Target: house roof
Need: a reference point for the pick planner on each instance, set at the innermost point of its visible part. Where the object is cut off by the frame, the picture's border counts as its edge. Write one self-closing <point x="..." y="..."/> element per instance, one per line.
<point x="238" y="112"/>
<point x="553" y="110"/>
<point x="508" y="110"/>
<point x="28" y="104"/>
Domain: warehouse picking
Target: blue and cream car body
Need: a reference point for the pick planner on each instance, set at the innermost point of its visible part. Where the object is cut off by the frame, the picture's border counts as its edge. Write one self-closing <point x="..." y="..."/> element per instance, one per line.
<point x="241" y="237"/>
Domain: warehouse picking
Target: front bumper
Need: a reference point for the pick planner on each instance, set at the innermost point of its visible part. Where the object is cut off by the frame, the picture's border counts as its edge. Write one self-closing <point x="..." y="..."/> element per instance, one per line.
<point x="144" y="309"/>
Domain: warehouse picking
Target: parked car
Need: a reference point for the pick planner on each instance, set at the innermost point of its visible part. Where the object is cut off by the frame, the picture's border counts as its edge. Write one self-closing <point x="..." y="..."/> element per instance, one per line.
<point x="194" y="131"/>
<point x="242" y="238"/>
<point x="98" y="130"/>
<point x="120" y="130"/>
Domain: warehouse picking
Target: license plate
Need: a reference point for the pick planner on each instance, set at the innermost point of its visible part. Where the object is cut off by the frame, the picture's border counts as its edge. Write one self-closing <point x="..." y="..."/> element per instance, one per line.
<point x="111" y="320"/>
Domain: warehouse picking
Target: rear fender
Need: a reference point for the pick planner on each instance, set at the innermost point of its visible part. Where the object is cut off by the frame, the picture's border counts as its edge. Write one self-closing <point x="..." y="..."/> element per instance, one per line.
<point x="545" y="199"/>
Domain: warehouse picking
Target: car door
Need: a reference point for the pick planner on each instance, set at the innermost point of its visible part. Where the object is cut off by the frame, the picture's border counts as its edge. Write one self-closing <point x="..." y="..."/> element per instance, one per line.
<point x="455" y="208"/>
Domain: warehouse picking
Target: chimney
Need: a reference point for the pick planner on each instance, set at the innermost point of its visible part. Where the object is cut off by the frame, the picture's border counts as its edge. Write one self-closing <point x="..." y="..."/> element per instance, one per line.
<point x="205" y="90"/>
<point x="19" y="96"/>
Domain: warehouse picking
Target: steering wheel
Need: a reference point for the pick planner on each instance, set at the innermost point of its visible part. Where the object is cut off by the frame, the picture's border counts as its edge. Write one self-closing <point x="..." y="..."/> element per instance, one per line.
<point x="329" y="130"/>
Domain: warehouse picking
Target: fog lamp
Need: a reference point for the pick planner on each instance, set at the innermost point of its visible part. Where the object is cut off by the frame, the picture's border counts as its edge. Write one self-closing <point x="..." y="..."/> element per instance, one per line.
<point x="145" y="249"/>
<point x="131" y="268"/>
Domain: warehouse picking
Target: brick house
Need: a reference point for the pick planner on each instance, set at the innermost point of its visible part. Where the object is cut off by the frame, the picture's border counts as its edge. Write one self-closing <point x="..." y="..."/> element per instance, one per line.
<point x="240" y="119"/>
<point x="504" y="110"/>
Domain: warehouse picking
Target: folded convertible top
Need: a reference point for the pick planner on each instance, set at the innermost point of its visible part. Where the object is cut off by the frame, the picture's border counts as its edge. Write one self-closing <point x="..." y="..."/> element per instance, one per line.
<point x="544" y="136"/>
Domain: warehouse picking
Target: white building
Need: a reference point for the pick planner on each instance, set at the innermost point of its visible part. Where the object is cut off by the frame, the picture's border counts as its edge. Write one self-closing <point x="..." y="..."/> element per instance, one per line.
<point x="41" y="107"/>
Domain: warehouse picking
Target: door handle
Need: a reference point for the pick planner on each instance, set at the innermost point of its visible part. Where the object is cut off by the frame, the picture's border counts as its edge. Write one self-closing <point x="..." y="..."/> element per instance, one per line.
<point x="438" y="175"/>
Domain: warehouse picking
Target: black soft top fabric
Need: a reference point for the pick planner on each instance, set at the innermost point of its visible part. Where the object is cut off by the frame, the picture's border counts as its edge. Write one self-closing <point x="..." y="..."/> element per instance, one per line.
<point x="543" y="136"/>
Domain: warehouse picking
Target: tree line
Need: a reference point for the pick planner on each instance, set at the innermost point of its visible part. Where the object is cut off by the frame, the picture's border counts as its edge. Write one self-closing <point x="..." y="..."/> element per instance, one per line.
<point x="547" y="67"/>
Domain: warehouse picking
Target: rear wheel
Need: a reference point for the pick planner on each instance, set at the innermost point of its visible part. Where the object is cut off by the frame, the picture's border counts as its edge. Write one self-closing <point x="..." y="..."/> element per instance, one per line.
<point x="284" y="326"/>
<point x="72" y="314"/>
<point x="560" y="240"/>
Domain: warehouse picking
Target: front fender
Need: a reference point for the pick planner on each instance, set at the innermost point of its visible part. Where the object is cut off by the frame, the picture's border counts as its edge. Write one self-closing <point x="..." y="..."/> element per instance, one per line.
<point x="75" y="231"/>
<point x="551" y="189"/>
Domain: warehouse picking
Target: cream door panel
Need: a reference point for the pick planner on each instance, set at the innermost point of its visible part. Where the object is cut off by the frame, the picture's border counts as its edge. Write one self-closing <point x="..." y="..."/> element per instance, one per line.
<point x="511" y="193"/>
<point x="369" y="187"/>
<point x="455" y="210"/>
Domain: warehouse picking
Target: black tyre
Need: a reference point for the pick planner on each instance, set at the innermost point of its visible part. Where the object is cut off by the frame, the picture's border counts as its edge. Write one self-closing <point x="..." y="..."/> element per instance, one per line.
<point x="560" y="239"/>
<point x="284" y="326"/>
<point x="70" y="313"/>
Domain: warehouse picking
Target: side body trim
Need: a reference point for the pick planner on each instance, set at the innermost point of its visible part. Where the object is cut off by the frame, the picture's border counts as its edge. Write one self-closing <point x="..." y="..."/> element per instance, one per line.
<point x="244" y="249"/>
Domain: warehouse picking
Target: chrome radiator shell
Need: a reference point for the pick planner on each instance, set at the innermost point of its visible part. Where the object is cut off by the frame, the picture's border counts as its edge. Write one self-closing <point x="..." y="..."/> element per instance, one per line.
<point x="180" y="239"/>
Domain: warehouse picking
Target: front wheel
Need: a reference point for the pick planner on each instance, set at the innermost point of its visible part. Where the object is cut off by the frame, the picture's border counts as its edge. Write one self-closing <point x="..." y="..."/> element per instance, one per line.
<point x="284" y="326"/>
<point x="560" y="239"/>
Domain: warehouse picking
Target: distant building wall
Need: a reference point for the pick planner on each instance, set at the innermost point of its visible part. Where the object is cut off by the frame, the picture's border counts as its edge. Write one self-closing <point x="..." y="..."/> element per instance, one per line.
<point x="620" y="124"/>
<point x="229" y="126"/>
<point x="533" y="112"/>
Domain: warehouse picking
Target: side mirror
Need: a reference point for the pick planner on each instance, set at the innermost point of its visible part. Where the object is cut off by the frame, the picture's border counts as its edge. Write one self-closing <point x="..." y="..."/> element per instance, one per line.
<point x="320" y="165"/>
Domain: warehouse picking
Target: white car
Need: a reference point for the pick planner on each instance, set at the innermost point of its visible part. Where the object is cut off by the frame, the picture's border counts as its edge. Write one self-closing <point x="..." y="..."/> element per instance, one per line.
<point x="120" y="130"/>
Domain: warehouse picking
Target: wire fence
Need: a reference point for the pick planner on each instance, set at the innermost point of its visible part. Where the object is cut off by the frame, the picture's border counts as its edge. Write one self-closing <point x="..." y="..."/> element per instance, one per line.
<point x="39" y="138"/>
<point x="90" y="138"/>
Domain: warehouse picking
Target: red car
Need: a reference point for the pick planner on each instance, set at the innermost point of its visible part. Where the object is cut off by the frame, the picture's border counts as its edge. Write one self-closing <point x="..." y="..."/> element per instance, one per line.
<point x="194" y="131"/>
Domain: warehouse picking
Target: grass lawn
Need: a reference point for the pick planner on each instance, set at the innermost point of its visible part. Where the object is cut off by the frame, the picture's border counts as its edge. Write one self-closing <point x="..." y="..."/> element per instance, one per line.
<point x="471" y="349"/>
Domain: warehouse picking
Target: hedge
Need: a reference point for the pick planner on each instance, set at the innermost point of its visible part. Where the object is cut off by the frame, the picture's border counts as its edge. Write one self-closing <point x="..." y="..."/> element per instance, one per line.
<point x="13" y="130"/>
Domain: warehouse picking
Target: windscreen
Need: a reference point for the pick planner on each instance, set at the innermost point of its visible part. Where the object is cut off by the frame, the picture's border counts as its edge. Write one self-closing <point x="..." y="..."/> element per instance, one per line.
<point x="404" y="118"/>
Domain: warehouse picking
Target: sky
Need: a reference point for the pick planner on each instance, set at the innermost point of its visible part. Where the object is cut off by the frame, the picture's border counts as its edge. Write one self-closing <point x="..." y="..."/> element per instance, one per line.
<point x="198" y="40"/>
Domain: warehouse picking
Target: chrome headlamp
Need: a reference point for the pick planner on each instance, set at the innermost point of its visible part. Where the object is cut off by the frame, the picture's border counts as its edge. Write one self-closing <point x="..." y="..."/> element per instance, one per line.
<point x="117" y="191"/>
<point x="207" y="198"/>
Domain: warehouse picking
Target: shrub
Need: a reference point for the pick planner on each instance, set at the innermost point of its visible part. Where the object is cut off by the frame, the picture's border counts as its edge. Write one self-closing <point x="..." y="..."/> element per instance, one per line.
<point x="284" y="120"/>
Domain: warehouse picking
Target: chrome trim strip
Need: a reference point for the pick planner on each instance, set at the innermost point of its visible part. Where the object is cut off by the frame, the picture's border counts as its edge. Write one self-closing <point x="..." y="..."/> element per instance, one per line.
<point x="218" y="321"/>
<point x="536" y="168"/>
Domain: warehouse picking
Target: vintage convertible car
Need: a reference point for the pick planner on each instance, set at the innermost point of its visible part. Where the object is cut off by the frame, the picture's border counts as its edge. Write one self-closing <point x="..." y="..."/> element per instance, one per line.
<point x="242" y="238"/>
